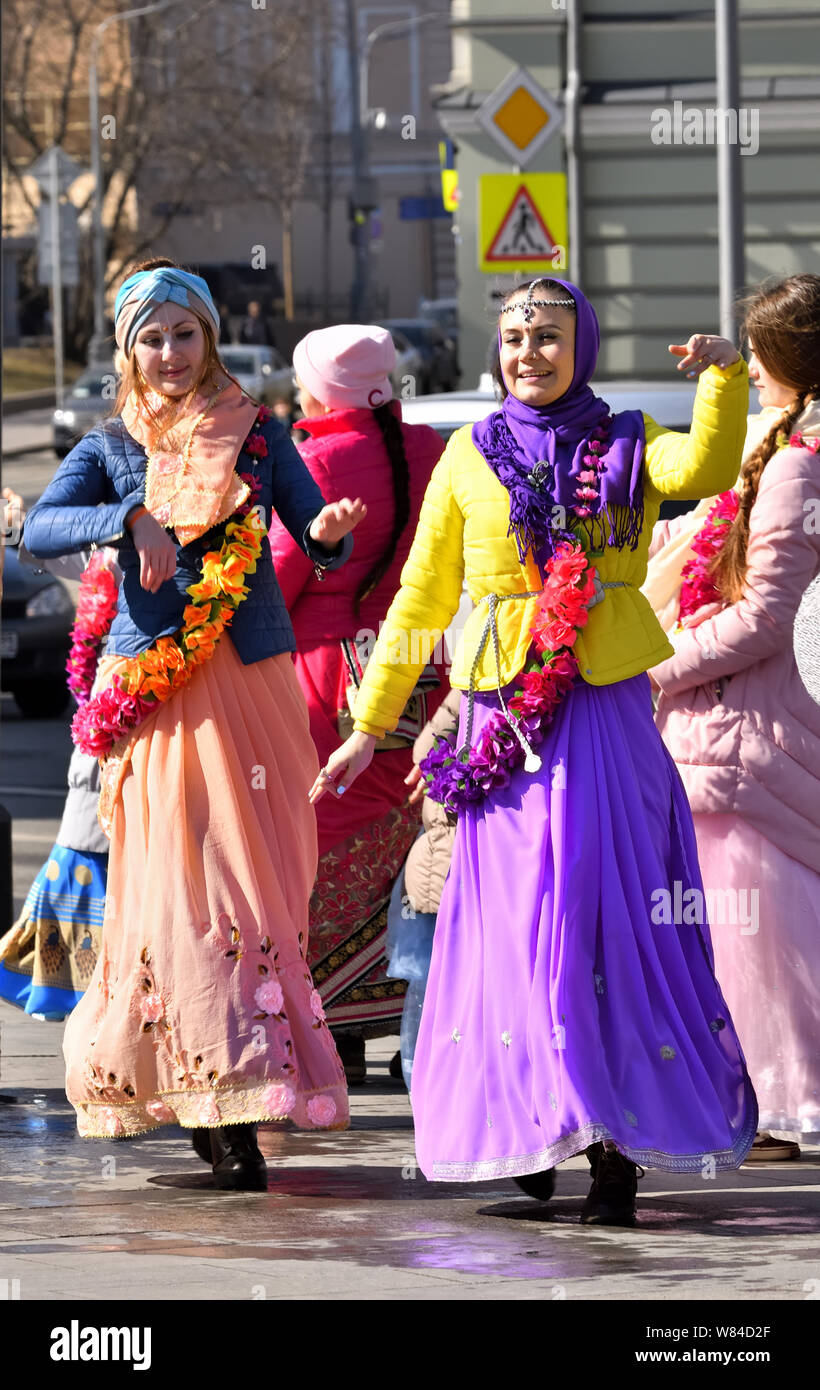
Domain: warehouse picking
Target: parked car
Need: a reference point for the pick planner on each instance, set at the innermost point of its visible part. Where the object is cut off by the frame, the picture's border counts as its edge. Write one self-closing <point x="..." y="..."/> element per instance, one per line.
<point x="37" y="614"/>
<point x="439" y="355"/>
<point x="409" y="368"/>
<point x="444" y="312"/>
<point x="90" y="398"/>
<point x="261" y="371"/>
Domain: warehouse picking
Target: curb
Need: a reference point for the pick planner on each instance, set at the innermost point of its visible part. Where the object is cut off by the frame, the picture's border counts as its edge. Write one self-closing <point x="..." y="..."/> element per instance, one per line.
<point x="43" y="448"/>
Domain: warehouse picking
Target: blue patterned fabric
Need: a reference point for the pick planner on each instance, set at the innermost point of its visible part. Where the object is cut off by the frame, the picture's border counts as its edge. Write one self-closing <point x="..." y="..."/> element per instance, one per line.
<point x="50" y="952"/>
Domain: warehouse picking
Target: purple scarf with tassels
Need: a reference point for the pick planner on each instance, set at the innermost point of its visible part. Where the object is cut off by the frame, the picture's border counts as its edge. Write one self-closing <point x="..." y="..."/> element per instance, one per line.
<point x="539" y="453"/>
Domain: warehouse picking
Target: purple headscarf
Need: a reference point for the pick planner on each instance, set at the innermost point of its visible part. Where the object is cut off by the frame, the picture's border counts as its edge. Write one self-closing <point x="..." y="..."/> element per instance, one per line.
<point x="518" y="437"/>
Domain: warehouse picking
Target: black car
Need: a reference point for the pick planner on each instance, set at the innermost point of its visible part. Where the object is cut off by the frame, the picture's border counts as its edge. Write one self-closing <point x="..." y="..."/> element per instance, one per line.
<point x="439" y="353"/>
<point x="35" y="639"/>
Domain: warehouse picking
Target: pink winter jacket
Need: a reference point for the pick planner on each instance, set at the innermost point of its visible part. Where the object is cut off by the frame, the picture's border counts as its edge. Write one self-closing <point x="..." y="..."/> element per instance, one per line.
<point x="733" y="711"/>
<point x="347" y="457"/>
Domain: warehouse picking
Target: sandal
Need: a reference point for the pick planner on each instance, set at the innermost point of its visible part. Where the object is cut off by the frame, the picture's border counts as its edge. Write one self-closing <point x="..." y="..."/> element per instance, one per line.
<point x="766" y="1149"/>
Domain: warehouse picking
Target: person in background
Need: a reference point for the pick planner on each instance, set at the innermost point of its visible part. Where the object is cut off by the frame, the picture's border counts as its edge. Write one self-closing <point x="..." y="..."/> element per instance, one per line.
<point x="48" y="956"/>
<point x="739" y="722"/>
<point x="415" y="900"/>
<point x="254" y="327"/>
<point x="356" y="438"/>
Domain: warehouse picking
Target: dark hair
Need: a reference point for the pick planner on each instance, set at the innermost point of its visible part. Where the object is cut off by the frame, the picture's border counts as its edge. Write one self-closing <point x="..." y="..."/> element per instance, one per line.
<point x="390" y="426"/>
<point x="783" y="323"/>
<point x="493" y="354"/>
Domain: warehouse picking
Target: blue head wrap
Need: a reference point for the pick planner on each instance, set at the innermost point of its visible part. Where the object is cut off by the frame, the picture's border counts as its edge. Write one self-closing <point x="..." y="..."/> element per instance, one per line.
<point x="147" y="288"/>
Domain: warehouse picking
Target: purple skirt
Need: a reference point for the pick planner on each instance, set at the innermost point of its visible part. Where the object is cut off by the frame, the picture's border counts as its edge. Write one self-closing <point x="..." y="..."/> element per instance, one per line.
<point x="567" y="1001"/>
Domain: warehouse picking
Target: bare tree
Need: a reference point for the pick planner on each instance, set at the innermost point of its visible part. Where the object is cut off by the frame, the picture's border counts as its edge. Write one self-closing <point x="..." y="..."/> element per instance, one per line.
<point x="202" y="104"/>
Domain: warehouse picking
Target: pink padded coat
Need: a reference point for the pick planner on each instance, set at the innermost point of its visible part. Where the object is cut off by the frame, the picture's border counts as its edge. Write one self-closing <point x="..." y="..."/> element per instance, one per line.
<point x="733" y="711"/>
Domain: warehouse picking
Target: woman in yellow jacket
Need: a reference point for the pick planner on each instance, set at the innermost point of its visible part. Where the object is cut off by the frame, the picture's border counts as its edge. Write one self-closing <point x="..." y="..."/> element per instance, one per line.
<point x="572" y="1003"/>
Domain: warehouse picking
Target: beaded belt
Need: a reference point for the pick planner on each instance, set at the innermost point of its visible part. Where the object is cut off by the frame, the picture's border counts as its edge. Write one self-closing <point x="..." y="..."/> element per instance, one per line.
<point x="532" y="761"/>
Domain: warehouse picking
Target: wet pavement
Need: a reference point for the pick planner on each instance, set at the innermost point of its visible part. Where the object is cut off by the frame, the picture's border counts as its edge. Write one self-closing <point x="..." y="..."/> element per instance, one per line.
<point x="348" y="1215"/>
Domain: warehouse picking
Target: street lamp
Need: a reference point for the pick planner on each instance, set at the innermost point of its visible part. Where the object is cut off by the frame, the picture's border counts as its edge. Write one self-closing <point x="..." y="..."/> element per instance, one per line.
<point x="361" y="120"/>
<point x="97" y="348"/>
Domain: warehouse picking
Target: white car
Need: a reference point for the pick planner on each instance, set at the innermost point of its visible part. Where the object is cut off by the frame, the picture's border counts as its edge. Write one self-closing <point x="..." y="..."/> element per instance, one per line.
<point x="261" y="371"/>
<point x="668" y="404"/>
<point x="671" y="405"/>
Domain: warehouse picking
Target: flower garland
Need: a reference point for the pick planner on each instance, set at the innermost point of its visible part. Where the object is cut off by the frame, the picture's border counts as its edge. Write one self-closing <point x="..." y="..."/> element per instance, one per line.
<point x="96" y="606"/>
<point x="799" y="441"/>
<point x="698" y="586"/>
<point x="457" y="779"/>
<point x="153" y="676"/>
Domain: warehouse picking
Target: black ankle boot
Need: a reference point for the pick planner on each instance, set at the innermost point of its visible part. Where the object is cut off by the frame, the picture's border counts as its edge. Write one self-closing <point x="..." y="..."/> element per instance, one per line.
<point x="538" y="1185"/>
<point x="238" y="1164"/>
<point x="611" y="1200"/>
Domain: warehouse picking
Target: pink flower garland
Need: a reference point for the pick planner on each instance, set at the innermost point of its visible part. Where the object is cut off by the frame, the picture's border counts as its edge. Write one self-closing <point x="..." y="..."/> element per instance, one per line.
<point x="96" y="606"/>
<point x="698" y="587"/>
<point x="562" y="610"/>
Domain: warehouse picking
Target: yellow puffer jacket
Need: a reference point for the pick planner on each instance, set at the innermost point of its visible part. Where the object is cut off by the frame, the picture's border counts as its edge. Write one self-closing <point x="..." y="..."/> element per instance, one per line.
<point x="462" y="535"/>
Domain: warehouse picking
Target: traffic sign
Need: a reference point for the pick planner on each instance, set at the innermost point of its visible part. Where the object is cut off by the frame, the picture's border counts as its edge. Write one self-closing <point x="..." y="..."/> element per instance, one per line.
<point x="522" y="223"/>
<point x="68" y="170"/>
<point x="68" y="242"/>
<point x="520" y="116"/>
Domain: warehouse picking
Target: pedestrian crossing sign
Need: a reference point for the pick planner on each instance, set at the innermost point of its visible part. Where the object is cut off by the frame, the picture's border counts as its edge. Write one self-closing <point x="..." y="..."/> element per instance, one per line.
<point x="522" y="222"/>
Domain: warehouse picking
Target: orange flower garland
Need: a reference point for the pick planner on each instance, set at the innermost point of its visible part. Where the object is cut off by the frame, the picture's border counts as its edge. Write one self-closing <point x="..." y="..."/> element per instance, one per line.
<point x="153" y="676"/>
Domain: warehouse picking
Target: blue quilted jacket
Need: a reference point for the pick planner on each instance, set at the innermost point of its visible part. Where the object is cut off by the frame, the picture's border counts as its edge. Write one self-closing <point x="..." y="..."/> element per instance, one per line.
<point x="103" y="478"/>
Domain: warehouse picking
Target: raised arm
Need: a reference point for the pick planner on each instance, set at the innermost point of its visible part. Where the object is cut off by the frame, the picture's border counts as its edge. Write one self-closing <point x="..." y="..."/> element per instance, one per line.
<point x="707" y="460"/>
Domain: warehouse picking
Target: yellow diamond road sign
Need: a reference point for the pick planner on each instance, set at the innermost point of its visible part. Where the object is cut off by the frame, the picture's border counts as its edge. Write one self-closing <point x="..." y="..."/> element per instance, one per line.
<point x="520" y="116"/>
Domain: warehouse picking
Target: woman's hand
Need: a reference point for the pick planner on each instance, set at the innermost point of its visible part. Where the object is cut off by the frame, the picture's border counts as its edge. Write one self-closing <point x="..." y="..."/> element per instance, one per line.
<point x="343" y="767"/>
<point x="335" y="520"/>
<point x="706" y="610"/>
<point x="704" y="350"/>
<point x="157" y="552"/>
<point x="416" y="782"/>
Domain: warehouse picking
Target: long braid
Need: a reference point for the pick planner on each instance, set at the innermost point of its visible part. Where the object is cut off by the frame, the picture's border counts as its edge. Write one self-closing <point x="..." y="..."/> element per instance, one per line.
<point x="728" y="568"/>
<point x="390" y="426"/>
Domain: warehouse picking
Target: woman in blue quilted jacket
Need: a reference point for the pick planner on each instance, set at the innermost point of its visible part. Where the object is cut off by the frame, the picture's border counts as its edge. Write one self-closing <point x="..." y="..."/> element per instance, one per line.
<point x="201" y="1011"/>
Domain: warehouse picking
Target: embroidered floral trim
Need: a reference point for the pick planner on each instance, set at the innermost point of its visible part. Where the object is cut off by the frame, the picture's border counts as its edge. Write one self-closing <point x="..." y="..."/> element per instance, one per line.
<point x="519" y="1165"/>
<point x="457" y="781"/>
<point x="153" y="676"/>
<point x="257" y="1104"/>
<point x="96" y="606"/>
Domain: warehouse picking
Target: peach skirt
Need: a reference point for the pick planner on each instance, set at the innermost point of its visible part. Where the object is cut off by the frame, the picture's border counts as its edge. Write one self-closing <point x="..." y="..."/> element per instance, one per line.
<point x="201" y="1010"/>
